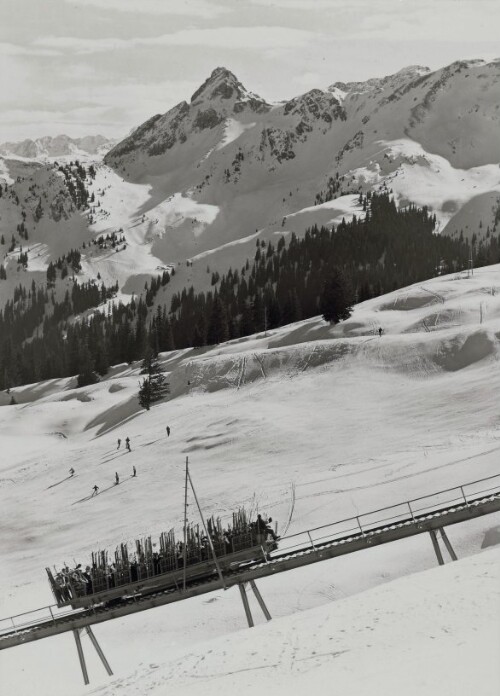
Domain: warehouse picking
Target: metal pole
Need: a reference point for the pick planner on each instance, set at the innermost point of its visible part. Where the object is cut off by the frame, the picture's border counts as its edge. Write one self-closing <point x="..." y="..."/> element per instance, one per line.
<point x="260" y="600"/>
<point x="462" y="489"/>
<point x="81" y="656"/>
<point x="359" y="525"/>
<point x="246" y="605"/>
<point x="310" y="539"/>
<point x="206" y="532"/>
<point x="99" y="650"/>
<point x="448" y="545"/>
<point x="184" y="557"/>
<point x="435" y="543"/>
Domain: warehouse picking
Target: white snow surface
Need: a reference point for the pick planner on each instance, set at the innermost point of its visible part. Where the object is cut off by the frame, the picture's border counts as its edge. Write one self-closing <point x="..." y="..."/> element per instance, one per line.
<point x="355" y="422"/>
<point x="427" y="179"/>
<point x="233" y="130"/>
<point x="5" y="177"/>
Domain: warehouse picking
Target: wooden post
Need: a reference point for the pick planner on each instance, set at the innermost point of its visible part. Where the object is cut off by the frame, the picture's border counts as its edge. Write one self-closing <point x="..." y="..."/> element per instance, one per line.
<point x="81" y="656"/>
<point x="448" y="545"/>
<point x="184" y="557"/>
<point x="98" y="650"/>
<point x="435" y="543"/>
<point x="246" y="605"/>
<point x="261" y="602"/>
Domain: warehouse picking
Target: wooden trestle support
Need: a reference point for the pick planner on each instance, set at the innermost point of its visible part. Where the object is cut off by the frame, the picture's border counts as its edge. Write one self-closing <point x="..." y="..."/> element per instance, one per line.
<point x="447" y="543"/>
<point x="258" y="597"/>
<point x="81" y="656"/>
<point x="99" y="651"/>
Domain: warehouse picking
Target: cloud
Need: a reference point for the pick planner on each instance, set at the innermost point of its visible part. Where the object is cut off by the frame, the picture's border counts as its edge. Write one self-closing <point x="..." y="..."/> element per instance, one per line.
<point x="191" y="8"/>
<point x="9" y="49"/>
<point x="253" y="38"/>
<point x="111" y="109"/>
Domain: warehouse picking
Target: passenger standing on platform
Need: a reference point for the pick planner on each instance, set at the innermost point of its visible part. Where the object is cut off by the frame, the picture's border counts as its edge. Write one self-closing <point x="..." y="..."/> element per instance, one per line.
<point x="260" y="525"/>
<point x="127" y="444"/>
<point x="95" y="490"/>
<point x="168" y="431"/>
<point x="134" y="472"/>
<point x="119" y="443"/>
<point x="117" y="478"/>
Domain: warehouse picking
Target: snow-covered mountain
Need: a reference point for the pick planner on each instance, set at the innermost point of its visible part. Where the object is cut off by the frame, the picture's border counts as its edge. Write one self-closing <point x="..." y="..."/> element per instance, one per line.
<point x="60" y="146"/>
<point x="206" y="179"/>
<point x="354" y="421"/>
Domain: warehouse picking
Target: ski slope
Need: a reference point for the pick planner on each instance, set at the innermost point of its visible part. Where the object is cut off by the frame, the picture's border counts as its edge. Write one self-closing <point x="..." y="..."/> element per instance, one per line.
<point x="353" y="421"/>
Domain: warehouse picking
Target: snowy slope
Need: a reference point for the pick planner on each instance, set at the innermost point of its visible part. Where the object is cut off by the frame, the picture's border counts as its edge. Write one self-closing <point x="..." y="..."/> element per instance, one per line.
<point x="354" y="421"/>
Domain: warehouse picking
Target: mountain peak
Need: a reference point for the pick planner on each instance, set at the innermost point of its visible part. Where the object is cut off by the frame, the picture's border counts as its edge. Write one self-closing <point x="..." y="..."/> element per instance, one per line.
<point x="222" y="83"/>
<point x="224" y="87"/>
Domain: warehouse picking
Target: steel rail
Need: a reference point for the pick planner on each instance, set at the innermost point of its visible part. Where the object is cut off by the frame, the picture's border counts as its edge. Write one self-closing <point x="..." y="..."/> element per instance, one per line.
<point x="315" y="550"/>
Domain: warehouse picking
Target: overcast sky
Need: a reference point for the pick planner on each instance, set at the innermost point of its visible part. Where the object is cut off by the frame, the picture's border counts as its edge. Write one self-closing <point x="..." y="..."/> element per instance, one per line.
<point x="104" y="66"/>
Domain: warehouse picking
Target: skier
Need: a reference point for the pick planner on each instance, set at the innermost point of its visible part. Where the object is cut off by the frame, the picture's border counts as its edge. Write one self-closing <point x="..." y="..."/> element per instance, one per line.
<point x="168" y="431"/>
<point x="117" y="478"/>
<point x="71" y="472"/>
<point x="380" y="331"/>
<point x="134" y="472"/>
<point x="95" y="491"/>
<point x="127" y="444"/>
<point x="119" y="443"/>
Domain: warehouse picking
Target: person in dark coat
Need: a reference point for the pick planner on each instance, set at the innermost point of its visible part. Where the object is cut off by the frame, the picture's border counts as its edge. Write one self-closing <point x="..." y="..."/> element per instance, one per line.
<point x="260" y="525"/>
<point x="117" y="478"/>
<point x="168" y="431"/>
<point x="127" y="444"/>
<point x="95" y="490"/>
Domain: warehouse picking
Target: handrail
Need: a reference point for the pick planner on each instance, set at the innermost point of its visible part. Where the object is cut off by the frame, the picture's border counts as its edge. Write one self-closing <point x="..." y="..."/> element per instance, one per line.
<point x="411" y="514"/>
<point x="400" y="504"/>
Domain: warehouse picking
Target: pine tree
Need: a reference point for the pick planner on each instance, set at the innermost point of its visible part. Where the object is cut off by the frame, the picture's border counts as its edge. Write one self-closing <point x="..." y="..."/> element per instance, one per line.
<point x="154" y="387"/>
<point x="217" y="330"/>
<point x="87" y="374"/>
<point x="145" y="393"/>
<point x="336" y="299"/>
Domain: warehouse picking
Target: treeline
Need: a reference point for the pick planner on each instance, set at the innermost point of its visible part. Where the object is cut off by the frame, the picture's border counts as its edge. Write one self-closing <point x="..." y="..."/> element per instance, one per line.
<point x="34" y="331"/>
<point x="385" y="250"/>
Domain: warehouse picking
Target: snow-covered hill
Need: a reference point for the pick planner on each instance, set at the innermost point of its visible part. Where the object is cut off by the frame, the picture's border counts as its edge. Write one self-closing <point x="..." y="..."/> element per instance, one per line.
<point x="353" y="420"/>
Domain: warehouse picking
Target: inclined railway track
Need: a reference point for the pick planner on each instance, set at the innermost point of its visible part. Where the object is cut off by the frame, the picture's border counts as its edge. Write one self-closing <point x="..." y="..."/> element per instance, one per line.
<point x="426" y="514"/>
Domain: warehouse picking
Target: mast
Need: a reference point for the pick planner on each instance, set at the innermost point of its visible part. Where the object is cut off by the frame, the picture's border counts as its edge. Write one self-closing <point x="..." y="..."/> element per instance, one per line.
<point x="206" y="530"/>
<point x="184" y="556"/>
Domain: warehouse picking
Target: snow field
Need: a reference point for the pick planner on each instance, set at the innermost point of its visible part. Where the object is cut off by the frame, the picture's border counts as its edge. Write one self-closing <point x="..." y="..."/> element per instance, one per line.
<point x="355" y="422"/>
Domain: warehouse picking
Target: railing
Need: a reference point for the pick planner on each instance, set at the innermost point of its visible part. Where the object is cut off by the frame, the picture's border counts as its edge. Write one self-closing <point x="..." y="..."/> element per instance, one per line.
<point x="404" y="512"/>
<point x="25" y="621"/>
<point x="408" y="512"/>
